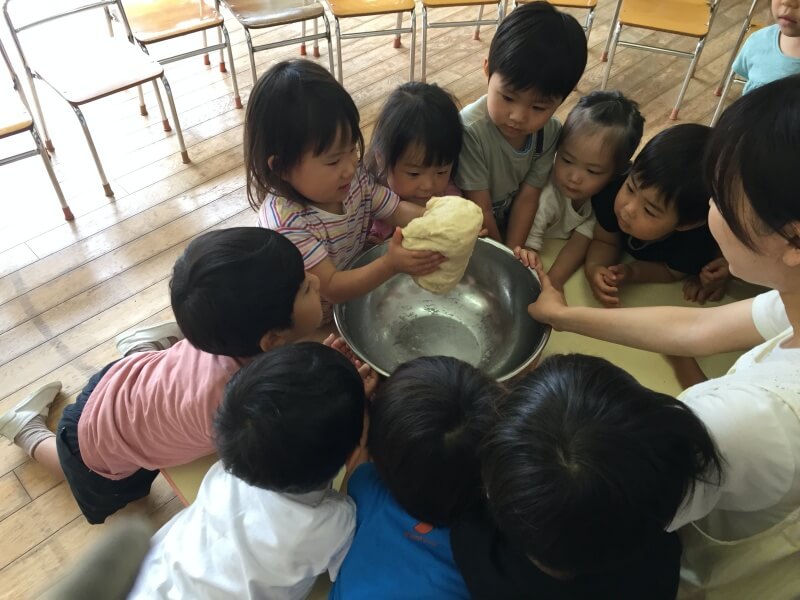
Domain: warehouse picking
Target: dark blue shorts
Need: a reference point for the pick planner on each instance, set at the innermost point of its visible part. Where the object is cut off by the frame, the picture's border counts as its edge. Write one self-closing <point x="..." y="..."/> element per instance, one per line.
<point x="98" y="497"/>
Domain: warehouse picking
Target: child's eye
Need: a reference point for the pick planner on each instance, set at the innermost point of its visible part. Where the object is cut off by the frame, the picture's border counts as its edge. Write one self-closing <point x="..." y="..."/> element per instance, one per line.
<point x="445" y="172"/>
<point x="629" y="187"/>
<point x="507" y="98"/>
<point x="410" y="174"/>
<point x="650" y="212"/>
<point x="595" y="172"/>
<point x="566" y="160"/>
<point x="332" y="163"/>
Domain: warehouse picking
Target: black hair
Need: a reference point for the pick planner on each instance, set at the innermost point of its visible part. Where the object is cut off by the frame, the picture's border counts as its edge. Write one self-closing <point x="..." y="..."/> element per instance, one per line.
<point x="672" y="163"/>
<point x="426" y="423"/>
<point x="232" y="286"/>
<point x="584" y="465"/>
<point x="616" y="115"/>
<point x="421" y="114"/>
<point x="751" y="157"/>
<point x="295" y="107"/>
<point x="539" y="47"/>
<point x="290" y="419"/>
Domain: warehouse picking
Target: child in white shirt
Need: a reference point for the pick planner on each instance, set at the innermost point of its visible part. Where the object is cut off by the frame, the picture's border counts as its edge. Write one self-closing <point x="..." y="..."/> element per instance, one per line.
<point x="597" y="141"/>
<point x="265" y="522"/>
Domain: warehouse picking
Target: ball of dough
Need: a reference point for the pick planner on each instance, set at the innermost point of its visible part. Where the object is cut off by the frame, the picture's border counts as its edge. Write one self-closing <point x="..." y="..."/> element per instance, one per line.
<point x="449" y="226"/>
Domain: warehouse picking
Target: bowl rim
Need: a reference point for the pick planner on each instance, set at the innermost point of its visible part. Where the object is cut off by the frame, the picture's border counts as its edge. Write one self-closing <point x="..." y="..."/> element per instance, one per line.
<point x="338" y="317"/>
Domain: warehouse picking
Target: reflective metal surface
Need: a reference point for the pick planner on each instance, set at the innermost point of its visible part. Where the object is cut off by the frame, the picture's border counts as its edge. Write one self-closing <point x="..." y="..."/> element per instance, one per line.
<point x="483" y="321"/>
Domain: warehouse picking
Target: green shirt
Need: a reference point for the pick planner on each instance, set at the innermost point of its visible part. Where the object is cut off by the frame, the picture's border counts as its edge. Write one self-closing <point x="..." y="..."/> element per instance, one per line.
<point x="488" y="162"/>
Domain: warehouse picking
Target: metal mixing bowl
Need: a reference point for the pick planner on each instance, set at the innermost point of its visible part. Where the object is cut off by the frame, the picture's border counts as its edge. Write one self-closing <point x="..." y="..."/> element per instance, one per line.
<point x="483" y="321"/>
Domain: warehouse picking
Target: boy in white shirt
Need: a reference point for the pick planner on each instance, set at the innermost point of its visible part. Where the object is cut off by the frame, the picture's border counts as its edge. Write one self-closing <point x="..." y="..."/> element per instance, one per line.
<point x="266" y="521"/>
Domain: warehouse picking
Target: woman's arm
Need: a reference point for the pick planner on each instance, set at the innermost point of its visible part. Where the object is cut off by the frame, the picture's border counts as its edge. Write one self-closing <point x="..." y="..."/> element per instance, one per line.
<point x="671" y="330"/>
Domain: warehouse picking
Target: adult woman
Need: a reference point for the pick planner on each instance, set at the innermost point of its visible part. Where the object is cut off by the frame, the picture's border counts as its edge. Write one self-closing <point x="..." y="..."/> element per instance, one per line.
<point x="744" y="540"/>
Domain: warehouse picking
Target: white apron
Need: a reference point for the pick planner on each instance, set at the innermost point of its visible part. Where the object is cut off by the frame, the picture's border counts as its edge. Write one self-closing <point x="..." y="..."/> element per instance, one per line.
<point x="765" y="566"/>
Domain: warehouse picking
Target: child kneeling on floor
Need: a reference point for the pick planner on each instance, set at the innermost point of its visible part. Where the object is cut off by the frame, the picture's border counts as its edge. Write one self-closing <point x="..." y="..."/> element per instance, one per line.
<point x="266" y="521"/>
<point x="426" y="423"/>
<point x="235" y="293"/>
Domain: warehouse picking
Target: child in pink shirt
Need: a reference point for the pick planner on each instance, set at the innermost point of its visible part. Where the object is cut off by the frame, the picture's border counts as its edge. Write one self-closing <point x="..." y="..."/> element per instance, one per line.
<point x="235" y="293"/>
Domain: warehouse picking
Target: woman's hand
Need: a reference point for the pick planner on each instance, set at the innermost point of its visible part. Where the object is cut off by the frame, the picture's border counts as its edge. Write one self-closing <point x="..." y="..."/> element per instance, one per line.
<point x="412" y="262"/>
<point x="550" y="304"/>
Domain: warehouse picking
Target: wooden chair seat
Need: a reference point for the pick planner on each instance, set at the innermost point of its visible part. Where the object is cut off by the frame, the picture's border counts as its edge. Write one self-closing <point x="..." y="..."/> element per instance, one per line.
<point x="14" y="117"/>
<point x="566" y="3"/>
<point x="448" y="3"/>
<point x="257" y="14"/>
<point x="683" y="17"/>
<point x="156" y="21"/>
<point x="107" y="66"/>
<point x="360" y="8"/>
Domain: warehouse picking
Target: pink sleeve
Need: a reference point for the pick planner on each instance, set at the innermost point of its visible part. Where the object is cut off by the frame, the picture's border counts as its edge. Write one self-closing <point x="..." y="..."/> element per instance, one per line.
<point x="453" y="190"/>
<point x="384" y="201"/>
<point x="311" y="247"/>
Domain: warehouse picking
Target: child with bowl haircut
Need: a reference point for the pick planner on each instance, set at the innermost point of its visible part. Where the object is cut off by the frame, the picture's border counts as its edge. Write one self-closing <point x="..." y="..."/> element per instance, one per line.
<point x="235" y="293"/>
<point x="657" y="213"/>
<point x="535" y="60"/>
<point x="583" y="468"/>
<point x="426" y="423"/>
<point x="266" y="522"/>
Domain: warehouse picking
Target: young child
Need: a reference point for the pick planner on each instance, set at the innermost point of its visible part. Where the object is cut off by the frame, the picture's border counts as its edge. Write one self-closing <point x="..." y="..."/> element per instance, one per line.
<point x="535" y="60"/>
<point x="426" y="423"/>
<point x="266" y="522"/>
<point x="235" y="293"/>
<point x="657" y="213"/>
<point x="304" y="176"/>
<point x="773" y="52"/>
<point x="584" y="468"/>
<point x="415" y="146"/>
<point x="597" y="142"/>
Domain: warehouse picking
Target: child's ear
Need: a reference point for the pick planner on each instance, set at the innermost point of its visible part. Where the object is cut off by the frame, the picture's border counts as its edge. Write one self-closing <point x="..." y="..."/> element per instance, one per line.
<point x="272" y="339"/>
<point x="791" y="256"/>
<point x="274" y="164"/>
<point x="486" y="67"/>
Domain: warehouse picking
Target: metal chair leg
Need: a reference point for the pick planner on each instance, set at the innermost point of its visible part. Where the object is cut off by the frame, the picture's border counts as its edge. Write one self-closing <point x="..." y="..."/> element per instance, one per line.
<point x="476" y="35"/>
<point x="164" y="119"/>
<point x="303" y="34"/>
<point x="142" y="105"/>
<point x="339" y="49"/>
<point x="604" y="57"/>
<point x="589" y="22"/>
<point x="68" y="216"/>
<point x="178" y="131"/>
<point x="237" y="100"/>
<point x="615" y="39"/>
<point x="413" y="44"/>
<point x="109" y="22"/>
<point x="724" y="96"/>
<point x="39" y="114"/>
<point x="222" y="68"/>
<point x="106" y="186"/>
<point x="330" y="45"/>
<point x="742" y="33"/>
<point x="674" y="114"/>
<point x="424" y="59"/>
<point x="251" y="54"/>
<point x="206" y="58"/>
<point x="316" y="40"/>
<point x="397" y="42"/>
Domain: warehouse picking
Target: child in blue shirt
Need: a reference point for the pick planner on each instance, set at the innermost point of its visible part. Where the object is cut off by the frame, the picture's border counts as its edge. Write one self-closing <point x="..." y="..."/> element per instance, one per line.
<point x="426" y="424"/>
<point x="773" y="52"/>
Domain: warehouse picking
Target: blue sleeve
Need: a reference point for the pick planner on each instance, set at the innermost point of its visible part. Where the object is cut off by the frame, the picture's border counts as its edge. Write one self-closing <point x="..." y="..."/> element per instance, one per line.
<point x="364" y="487"/>
<point x="740" y="63"/>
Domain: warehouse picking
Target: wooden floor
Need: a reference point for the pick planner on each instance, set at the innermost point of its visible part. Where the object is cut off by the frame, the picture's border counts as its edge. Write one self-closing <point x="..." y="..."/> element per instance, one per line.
<point x="67" y="289"/>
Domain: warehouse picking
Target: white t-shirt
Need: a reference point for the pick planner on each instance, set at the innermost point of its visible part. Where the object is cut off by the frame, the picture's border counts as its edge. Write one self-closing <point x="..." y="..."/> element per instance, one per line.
<point x="240" y="541"/>
<point x="556" y="218"/>
<point x="753" y="414"/>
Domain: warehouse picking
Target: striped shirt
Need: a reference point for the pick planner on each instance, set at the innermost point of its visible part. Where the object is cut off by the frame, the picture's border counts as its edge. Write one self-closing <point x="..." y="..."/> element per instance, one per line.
<point x="319" y="234"/>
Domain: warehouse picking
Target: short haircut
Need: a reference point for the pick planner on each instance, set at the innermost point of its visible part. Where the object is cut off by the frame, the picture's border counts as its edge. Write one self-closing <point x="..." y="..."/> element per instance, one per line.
<point x="426" y="423"/>
<point x="754" y="152"/>
<point x="295" y="107"/>
<point x="289" y="419"/>
<point x="584" y="465"/>
<point x="617" y="117"/>
<point x="415" y="114"/>
<point x="232" y="286"/>
<point x="672" y="162"/>
<point x="538" y="47"/>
